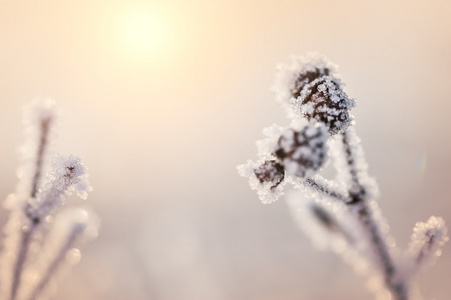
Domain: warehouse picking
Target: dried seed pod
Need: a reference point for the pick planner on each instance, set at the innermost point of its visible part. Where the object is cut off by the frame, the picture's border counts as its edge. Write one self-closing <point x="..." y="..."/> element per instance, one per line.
<point x="266" y="177"/>
<point x="303" y="152"/>
<point x="292" y="78"/>
<point x="270" y="172"/>
<point x="324" y="101"/>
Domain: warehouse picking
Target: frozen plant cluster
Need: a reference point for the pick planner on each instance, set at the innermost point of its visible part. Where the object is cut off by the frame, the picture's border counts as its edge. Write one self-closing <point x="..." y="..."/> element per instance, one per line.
<point x="340" y="214"/>
<point x="42" y="240"/>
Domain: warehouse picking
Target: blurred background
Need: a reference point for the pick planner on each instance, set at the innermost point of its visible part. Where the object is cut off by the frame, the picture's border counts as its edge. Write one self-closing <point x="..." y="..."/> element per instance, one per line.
<point x="165" y="98"/>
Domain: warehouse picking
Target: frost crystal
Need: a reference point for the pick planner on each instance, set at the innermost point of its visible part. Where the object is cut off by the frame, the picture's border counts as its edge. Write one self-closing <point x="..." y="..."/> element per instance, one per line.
<point x="324" y="100"/>
<point x="303" y="152"/>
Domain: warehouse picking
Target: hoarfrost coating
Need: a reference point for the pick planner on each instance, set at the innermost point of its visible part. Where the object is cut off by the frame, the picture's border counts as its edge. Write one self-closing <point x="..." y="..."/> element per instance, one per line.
<point x="29" y="230"/>
<point x="302" y="152"/>
<point x="325" y="101"/>
<point x="340" y="214"/>
<point x="267" y="191"/>
<point x="39" y="120"/>
<point x="427" y="240"/>
<point x="291" y="79"/>
<point x="68" y="175"/>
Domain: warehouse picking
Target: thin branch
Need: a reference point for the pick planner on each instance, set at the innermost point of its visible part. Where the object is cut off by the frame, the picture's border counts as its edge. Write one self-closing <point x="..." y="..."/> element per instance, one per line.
<point x="324" y="188"/>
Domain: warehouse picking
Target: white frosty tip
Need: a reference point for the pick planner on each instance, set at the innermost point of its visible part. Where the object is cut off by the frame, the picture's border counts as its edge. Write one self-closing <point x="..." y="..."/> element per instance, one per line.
<point x="68" y="175"/>
<point x="427" y="240"/>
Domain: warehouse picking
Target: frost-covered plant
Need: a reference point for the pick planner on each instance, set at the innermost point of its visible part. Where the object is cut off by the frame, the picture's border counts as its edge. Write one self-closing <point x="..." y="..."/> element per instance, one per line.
<point x="339" y="214"/>
<point x="39" y="240"/>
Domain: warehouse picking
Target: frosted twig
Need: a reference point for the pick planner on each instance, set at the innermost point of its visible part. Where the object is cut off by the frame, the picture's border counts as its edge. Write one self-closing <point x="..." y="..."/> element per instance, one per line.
<point x="320" y="187"/>
<point x="35" y="200"/>
<point x="295" y="155"/>
<point x="350" y="144"/>
<point x="45" y="127"/>
<point x="380" y="250"/>
<point x="40" y="116"/>
<point x="72" y="226"/>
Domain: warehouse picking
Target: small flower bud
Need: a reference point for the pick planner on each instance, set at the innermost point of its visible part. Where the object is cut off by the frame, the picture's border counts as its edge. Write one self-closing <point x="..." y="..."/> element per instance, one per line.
<point x="324" y="101"/>
<point x="303" y="152"/>
<point x="270" y="171"/>
<point x="266" y="177"/>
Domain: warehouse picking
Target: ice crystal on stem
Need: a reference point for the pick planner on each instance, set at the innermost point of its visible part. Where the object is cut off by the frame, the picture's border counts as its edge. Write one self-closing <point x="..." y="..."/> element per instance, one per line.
<point x="341" y="212"/>
<point x="36" y="200"/>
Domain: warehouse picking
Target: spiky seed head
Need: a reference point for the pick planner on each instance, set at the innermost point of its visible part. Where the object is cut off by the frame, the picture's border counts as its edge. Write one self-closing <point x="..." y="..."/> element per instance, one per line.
<point x="303" y="152"/>
<point x="324" y="101"/>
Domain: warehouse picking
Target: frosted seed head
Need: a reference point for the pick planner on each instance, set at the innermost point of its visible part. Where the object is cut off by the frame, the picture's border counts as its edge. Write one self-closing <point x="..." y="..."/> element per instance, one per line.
<point x="270" y="172"/>
<point x="324" y="101"/>
<point x="291" y="79"/>
<point x="266" y="177"/>
<point x="303" y="152"/>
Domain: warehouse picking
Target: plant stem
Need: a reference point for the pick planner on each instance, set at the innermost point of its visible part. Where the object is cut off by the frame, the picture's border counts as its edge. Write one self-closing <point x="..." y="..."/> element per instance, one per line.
<point x="359" y="206"/>
<point x="26" y="236"/>
<point x="327" y="191"/>
<point x="43" y="142"/>
<point x="57" y="261"/>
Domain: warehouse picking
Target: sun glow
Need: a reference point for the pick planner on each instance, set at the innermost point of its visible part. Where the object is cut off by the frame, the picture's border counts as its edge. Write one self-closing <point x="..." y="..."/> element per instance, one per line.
<point x="140" y="32"/>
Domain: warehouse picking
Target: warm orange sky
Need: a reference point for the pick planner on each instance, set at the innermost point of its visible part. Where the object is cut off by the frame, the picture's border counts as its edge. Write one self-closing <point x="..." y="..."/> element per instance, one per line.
<point x="165" y="98"/>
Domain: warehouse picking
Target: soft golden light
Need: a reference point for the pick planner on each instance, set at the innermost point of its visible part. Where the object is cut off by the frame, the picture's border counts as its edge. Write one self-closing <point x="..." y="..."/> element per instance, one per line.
<point x="139" y="31"/>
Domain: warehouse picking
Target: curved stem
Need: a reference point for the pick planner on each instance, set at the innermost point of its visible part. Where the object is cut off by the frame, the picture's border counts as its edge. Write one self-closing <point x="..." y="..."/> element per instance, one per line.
<point x="325" y="190"/>
<point x="26" y="237"/>
<point x="364" y="215"/>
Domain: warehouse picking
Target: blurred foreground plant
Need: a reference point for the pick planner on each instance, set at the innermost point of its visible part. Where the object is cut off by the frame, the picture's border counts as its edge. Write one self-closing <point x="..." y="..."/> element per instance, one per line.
<point x="40" y="241"/>
<point x="341" y="214"/>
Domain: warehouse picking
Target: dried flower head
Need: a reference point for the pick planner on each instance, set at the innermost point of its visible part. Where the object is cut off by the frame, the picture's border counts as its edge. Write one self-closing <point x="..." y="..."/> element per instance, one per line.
<point x="303" y="152"/>
<point x="291" y="79"/>
<point x="270" y="172"/>
<point x="266" y="177"/>
<point x="325" y="101"/>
